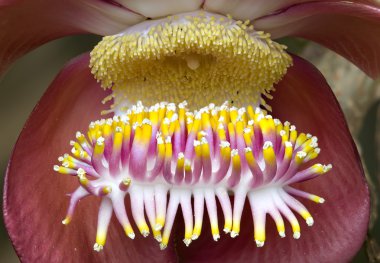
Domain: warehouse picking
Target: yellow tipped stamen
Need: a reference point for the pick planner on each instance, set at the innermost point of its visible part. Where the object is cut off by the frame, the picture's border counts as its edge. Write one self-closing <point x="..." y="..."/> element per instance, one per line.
<point x="227" y="226"/>
<point x="215" y="232"/>
<point x="67" y="220"/>
<point x="268" y="153"/>
<point x="196" y="231"/>
<point x="260" y="236"/>
<point x="144" y="229"/>
<point x="296" y="229"/>
<point x="280" y="228"/>
<point x="160" y="222"/>
<point x="317" y="199"/>
<point x="226" y="150"/>
<point x="101" y="237"/>
<point x="129" y="231"/>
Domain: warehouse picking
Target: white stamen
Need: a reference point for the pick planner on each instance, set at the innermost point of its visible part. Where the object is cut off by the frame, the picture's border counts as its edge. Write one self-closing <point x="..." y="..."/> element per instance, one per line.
<point x="301" y="154"/>
<point x="187" y="241"/>
<point x="216" y="237"/>
<point x="309" y="221"/>
<point x="288" y="144"/>
<point x="234" y="234"/>
<point x="224" y="144"/>
<point x="98" y="247"/>
<point x="100" y="141"/>
<point x="259" y="243"/>
<point x="267" y="144"/>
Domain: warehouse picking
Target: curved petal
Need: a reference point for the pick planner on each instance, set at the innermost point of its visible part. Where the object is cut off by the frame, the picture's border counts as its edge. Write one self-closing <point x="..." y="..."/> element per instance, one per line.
<point x="34" y="197"/>
<point x="24" y="25"/>
<point x="253" y="9"/>
<point x="248" y="9"/>
<point x="350" y="29"/>
<point x="304" y="98"/>
<point x="159" y="8"/>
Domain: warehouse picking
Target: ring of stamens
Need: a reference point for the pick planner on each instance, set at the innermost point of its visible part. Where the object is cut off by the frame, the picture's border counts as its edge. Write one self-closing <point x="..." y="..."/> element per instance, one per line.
<point x="190" y="56"/>
<point x="202" y="155"/>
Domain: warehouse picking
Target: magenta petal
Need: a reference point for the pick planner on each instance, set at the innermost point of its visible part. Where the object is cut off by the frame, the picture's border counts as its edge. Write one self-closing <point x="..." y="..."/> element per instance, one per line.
<point x="27" y="24"/>
<point x="350" y="29"/>
<point x="304" y="98"/>
<point x="35" y="198"/>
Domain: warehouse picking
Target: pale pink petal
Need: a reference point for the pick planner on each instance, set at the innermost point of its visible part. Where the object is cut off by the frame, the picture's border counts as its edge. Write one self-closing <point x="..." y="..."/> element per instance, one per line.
<point x="25" y="25"/>
<point x="350" y="29"/>
<point x="159" y="8"/>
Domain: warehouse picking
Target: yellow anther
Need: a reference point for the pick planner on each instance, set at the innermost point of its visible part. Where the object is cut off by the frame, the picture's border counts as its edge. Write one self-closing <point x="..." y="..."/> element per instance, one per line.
<point x="268" y="153"/>
<point x="199" y="53"/>
<point x="67" y="220"/>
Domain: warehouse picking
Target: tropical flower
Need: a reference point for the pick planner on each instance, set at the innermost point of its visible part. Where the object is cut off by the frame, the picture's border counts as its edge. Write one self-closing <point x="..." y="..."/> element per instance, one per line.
<point x="205" y="149"/>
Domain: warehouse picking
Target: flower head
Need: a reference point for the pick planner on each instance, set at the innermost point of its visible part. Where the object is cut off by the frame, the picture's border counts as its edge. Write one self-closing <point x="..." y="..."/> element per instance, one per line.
<point x="156" y="153"/>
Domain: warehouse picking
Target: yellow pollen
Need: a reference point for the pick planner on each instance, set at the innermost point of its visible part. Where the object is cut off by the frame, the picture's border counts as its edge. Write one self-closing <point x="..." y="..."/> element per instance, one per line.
<point x="198" y="57"/>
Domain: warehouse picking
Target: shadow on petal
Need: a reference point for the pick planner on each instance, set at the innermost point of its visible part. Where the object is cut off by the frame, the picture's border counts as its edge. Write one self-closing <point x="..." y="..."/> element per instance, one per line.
<point x="34" y="195"/>
<point x="350" y="29"/>
<point x="27" y="24"/>
<point x="304" y="98"/>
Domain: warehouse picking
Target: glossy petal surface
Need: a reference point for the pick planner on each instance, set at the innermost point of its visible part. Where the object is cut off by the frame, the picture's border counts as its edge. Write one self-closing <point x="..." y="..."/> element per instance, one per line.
<point x="304" y="98"/>
<point x="25" y="25"/>
<point x="350" y="29"/>
<point x="34" y="195"/>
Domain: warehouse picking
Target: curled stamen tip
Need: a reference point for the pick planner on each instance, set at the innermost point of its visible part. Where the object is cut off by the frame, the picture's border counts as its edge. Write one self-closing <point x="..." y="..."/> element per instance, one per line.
<point x="162" y="246"/>
<point x="234" y="234"/>
<point x="216" y="237"/>
<point x="321" y="200"/>
<point x="131" y="235"/>
<point x="158" y="238"/>
<point x="296" y="235"/>
<point x="98" y="247"/>
<point x="327" y="168"/>
<point x="100" y="141"/>
<point x="282" y="234"/>
<point x="145" y="233"/>
<point x="187" y="241"/>
<point x="158" y="227"/>
<point x="194" y="236"/>
<point x="226" y="230"/>
<point x="259" y="243"/>
<point x="309" y="221"/>
<point x="56" y="168"/>
<point x="66" y="221"/>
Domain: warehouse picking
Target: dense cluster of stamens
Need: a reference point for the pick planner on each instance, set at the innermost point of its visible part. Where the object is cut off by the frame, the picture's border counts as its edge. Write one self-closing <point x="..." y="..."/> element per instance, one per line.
<point x="166" y="156"/>
<point x="200" y="57"/>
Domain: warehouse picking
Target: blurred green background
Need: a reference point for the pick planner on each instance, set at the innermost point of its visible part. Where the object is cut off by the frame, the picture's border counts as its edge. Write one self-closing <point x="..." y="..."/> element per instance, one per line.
<point x="28" y="78"/>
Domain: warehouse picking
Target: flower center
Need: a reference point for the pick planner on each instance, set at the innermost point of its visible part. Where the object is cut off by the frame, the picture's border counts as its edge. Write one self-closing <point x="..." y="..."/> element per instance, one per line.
<point x="198" y="57"/>
<point x="204" y="155"/>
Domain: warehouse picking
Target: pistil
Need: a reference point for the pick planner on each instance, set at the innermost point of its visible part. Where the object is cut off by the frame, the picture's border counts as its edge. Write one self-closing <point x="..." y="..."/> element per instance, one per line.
<point x="198" y="57"/>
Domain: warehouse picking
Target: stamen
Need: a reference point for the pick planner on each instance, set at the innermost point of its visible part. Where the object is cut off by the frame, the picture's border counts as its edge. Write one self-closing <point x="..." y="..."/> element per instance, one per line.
<point x="162" y="163"/>
<point x="196" y="56"/>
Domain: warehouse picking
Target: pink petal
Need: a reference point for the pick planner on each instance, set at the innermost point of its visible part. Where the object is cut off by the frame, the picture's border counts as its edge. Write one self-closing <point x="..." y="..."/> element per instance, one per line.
<point x="304" y="98"/>
<point x="25" y="25"/>
<point x="350" y="29"/>
<point x="34" y="195"/>
<point x="248" y="9"/>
